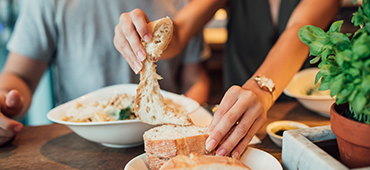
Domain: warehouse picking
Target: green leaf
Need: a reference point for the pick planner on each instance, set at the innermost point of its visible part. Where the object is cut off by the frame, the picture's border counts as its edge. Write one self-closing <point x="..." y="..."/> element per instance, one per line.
<point x="366" y="8"/>
<point x="358" y="17"/>
<point x="317" y="77"/>
<point x="335" y="27"/>
<point x="365" y="85"/>
<point x="353" y="72"/>
<point x="359" y="103"/>
<point x="367" y="27"/>
<point x="353" y="95"/>
<point x="357" y="34"/>
<point x="358" y="64"/>
<point x="336" y="84"/>
<point x="324" y="83"/>
<point x="357" y="81"/>
<point x="337" y="37"/>
<point x="316" y="48"/>
<point x="343" y="56"/>
<point x="329" y="69"/>
<point x="315" y="60"/>
<point x="361" y="46"/>
<point x="367" y="65"/>
<point x="344" y="93"/>
<point x="310" y="33"/>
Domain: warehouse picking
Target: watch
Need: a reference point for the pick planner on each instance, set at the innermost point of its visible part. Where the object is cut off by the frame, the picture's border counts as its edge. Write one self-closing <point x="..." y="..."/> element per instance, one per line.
<point x="265" y="83"/>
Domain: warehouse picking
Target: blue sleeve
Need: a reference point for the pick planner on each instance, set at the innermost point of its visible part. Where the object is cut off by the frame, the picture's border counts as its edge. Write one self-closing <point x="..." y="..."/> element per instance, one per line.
<point x="35" y="34"/>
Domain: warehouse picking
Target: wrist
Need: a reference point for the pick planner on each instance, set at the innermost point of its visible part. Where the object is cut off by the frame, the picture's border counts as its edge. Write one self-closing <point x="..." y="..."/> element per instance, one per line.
<point x="265" y="97"/>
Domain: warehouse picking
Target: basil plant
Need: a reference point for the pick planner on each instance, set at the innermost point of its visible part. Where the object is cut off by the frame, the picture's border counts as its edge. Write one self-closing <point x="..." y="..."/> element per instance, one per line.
<point x="344" y="61"/>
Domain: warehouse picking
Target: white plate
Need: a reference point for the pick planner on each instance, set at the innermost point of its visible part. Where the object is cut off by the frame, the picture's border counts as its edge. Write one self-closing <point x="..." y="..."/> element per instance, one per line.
<point x="255" y="159"/>
<point x="121" y="133"/>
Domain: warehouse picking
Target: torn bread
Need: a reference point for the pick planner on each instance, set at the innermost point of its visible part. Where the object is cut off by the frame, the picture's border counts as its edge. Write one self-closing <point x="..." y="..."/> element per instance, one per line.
<point x="203" y="162"/>
<point x="149" y="104"/>
<point x="164" y="142"/>
<point x="155" y="162"/>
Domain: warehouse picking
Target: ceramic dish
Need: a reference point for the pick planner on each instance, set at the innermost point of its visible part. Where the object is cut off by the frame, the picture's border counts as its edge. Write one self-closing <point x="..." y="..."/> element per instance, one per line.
<point x="121" y="133"/>
<point x="252" y="157"/>
<point x="299" y="87"/>
<point x="275" y="129"/>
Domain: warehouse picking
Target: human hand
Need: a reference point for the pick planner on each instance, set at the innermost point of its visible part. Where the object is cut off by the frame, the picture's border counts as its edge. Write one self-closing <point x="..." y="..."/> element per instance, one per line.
<point x="132" y="27"/>
<point x="242" y="109"/>
<point x="10" y="105"/>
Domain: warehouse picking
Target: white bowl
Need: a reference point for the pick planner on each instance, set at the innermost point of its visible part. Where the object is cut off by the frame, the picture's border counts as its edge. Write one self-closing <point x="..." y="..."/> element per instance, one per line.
<point x="283" y="125"/>
<point x="121" y="133"/>
<point x="298" y="88"/>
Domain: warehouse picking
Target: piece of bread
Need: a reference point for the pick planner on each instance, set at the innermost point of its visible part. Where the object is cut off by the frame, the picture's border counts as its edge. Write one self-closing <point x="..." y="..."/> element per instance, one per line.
<point x="203" y="162"/>
<point x="168" y="141"/>
<point x="149" y="104"/>
<point x="154" y="162"/>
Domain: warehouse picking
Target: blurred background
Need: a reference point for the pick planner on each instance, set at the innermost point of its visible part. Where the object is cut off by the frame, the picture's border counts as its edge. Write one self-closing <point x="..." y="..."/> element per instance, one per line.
<point x="215" y="35"/>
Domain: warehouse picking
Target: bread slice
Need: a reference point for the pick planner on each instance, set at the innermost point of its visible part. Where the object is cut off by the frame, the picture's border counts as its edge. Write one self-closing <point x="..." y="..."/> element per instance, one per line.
<point x="149" y="104"/>
<point x="154" y="162"/>
<point x="203" y="162"/>
<point x="168" y="141"/>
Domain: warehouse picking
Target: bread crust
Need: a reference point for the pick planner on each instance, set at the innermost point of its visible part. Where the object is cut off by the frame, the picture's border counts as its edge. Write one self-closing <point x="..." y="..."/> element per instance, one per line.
<point x="149" y="105"/>
<point x="172" y="147"/>
<point x="196" y="161"/>
<point x="154" y="162"/>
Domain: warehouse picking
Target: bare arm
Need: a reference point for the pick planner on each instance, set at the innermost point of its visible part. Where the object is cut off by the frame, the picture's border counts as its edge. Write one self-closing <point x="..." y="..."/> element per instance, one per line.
<point x="249" y="104"/>
<point x="196" y="82"/>
<point x="18" y="81"/>
<point x="187" y="23"/>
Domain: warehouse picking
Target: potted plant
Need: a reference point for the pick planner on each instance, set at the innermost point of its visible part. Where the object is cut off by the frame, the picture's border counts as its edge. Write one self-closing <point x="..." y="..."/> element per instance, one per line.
<point x="344" y="62"/>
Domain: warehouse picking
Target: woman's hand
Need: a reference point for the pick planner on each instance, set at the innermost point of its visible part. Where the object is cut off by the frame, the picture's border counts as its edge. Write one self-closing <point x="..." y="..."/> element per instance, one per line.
<point x="10" y="104"/>
<point x="242" y="107"/>
<point x="132" y="27"/>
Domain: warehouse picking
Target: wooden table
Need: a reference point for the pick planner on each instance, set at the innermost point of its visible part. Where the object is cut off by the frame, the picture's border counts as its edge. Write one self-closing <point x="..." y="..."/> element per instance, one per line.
<point x="55" y="146"/>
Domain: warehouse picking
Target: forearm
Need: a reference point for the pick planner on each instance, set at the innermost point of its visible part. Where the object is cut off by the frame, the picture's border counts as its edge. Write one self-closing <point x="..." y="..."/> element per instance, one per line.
<point x="289" y="53"/>
<point x="284" y="60"/>
<point x="199" y="91"/>
<point x="10" y="81"/>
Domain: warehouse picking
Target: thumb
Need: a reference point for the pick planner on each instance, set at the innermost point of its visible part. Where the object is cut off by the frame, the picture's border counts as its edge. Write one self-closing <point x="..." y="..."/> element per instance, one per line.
<point x="13" y="99"/>
<point x="10" y="125"/>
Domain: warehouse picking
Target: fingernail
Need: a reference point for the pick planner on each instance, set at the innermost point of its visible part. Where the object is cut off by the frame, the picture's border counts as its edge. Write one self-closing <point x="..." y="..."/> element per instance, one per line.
<point x="236" y="155"/>
<point x="141" y="55"/>
<point x="147" y="38"/>
<point x="210" y="145"/>
<point x="137" y="67"/>
<point x="221" y="152"/>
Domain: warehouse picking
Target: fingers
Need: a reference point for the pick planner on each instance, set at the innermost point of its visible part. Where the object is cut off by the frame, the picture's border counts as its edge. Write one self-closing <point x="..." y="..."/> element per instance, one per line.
<point x="226" y="103"/>
<point x="131" y="29"/>
<point x="8" y="128"/>
<point x="227" y="114"/>
<point x="123" y="46"/>
<point x="141" y="21"/>
<point x="238" y="105"/>
<point x="13" y="99"/>
<point x="13" y="104"/>
<point x="239" y="149"/>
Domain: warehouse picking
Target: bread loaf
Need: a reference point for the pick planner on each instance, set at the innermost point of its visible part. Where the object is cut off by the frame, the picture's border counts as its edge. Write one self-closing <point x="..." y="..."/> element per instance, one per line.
<point x="164" y="142"/>
<point x="203" y="162"/>
<point x="149" y="104"/>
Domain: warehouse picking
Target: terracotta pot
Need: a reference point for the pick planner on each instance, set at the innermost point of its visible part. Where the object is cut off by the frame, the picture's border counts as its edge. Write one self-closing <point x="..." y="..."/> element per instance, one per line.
<point x="353" y="138"/>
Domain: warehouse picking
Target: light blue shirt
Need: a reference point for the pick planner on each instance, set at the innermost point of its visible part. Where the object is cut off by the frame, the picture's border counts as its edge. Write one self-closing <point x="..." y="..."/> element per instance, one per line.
<point x="76" y="38"/>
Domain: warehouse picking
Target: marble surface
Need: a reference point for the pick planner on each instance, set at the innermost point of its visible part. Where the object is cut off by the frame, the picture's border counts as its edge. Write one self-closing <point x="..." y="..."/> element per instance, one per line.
<point x="300" y="152"/>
